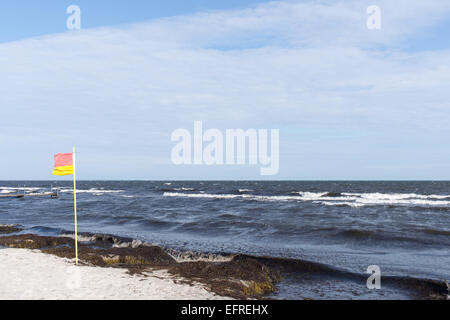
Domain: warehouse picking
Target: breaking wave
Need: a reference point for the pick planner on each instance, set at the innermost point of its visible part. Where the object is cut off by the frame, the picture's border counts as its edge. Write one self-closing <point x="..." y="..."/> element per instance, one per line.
<point x="93" y="191"/>
<point x="18" y="189"/>
<point x="335" y="198"/>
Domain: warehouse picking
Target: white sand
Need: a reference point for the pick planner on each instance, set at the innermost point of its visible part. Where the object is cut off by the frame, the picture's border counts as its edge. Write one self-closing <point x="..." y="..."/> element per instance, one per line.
<point x="31" y="274"/>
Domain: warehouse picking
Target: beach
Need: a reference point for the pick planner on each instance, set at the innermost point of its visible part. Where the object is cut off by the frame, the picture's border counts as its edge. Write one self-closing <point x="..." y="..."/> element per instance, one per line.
<point x="246" y="239"/>
<point x="109" y="267"/>
<point x="41" y="267"/>
<point x="30" y="274"/>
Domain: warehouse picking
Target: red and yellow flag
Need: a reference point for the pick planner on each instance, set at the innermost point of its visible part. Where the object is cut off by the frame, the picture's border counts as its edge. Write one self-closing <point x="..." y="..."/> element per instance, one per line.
<point x="63" y="164"/>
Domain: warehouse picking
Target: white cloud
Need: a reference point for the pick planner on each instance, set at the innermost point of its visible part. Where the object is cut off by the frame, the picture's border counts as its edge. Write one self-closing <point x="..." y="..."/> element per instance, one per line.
<point x="291" y="64"/>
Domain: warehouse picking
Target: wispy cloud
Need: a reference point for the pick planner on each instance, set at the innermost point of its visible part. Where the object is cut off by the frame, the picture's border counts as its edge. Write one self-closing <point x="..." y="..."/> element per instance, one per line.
<point x="120" y="91"/>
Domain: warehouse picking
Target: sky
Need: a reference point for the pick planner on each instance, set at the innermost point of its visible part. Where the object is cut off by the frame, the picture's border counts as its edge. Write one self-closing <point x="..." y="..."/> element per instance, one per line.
<point x="350" y="103"/>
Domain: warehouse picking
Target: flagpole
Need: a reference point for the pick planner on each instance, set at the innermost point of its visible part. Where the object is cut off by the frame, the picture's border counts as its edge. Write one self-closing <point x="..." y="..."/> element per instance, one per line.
<point x="75" y="206"/>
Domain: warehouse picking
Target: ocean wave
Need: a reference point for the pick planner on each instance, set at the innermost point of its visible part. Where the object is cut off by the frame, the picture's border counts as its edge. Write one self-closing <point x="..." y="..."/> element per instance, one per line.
<point x="332" y="195"/>
<point x="357" y="233"/>
<point x="12" y="189"/>
<point x="392" y="239"/>
<point x="7" y="191"/>
<point x="231" y="196"/>
<point x="201" y="195"/>
<point x="343" y="204"/>
<point x="176" y="189"/>
<point x="335" y="198"/>
<point x="92" y="191"/>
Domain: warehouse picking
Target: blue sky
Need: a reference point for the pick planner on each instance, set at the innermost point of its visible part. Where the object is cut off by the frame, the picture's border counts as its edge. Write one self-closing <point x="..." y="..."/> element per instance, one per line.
<point x="22" y="19"/>
<point x="350" y="103"/>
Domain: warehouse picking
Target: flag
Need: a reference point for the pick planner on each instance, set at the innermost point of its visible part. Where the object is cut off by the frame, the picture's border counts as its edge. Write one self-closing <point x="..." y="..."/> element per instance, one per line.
<point x="63" y="164"/>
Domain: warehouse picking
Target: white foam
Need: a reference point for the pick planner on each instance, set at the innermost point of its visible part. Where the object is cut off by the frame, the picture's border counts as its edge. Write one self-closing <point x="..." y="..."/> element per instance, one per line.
<point x="201" y="195"/>
<point x="80" y="238"/>
<point x="350" y="199"/>
<point x="19" y="189"/>
<point x="350" y="204"/>
<point x="190" y="256"/>
<point x="92" y="191"/>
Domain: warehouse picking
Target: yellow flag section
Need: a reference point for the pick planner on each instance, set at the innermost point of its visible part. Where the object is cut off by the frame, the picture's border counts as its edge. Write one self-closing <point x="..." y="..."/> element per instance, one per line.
<point x="63" y="171"/>
<point x="64" y="166"/>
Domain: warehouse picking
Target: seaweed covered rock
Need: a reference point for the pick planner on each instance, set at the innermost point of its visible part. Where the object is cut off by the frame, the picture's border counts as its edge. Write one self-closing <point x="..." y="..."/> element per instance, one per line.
<point x="7" y="229"/>
<point x="30" y="241"/>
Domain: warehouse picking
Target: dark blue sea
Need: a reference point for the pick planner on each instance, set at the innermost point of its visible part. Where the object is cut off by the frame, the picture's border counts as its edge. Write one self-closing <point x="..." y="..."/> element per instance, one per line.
<point x="403" y="227"/>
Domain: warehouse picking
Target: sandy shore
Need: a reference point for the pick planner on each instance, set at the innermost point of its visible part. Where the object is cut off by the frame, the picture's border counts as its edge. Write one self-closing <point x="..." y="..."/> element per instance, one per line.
<point x="31" y="274"/>
<point x="42" y="267"/>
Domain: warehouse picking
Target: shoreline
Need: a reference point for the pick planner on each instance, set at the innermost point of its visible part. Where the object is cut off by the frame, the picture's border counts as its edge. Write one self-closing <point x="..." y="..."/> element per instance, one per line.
<point x="210" y="276"/>
<point x="226" y="277"/>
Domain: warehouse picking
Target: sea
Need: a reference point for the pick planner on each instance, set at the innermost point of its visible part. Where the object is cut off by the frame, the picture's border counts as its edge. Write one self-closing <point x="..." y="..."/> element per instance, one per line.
<point x="403" y="227"/>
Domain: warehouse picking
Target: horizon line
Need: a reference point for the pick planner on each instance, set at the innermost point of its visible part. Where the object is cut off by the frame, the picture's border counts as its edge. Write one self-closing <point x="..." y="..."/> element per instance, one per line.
<point x="234" y="180"/>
